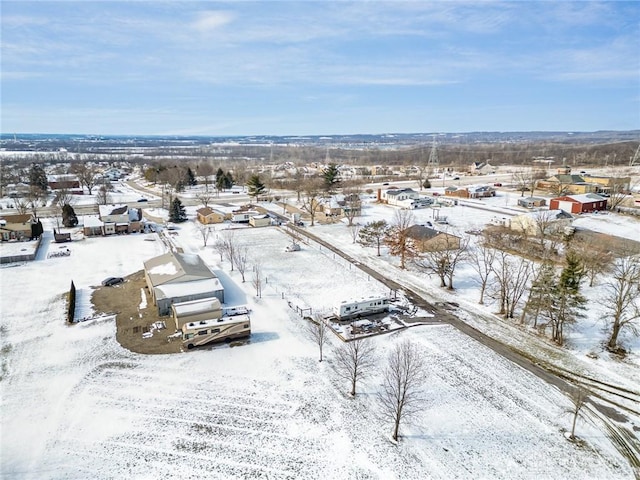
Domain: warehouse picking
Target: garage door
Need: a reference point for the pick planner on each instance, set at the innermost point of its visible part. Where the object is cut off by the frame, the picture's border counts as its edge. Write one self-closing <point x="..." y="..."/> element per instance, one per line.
<point x="564" y="205"/>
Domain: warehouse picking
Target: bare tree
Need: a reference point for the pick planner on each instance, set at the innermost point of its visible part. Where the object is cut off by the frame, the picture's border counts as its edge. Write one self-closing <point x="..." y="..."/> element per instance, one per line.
<point x="523" y="181"/>
<point x="220" y="247"/>
<point x="205" y="198"/>
<point x="228" y="246"/>
<point x="63" y="197"/>
<point x="35" y="199"/>
<point x="21" y="205"/>
<point x="312" y="198"/>
<point x="352" y="204"/>
<point x="512" y="275"/>
<point x="443" y="258"/>
<point x="579" y="398"/>
<point x="103" y="197"/>
<point x="544" y="222"/>
<point x="240" y="258"/>
<point x="318" y="331"/>
<point x="205" y="170"/>
<point x="355" y="360"/>
<point x="619" y="188"/>
<point x="354" y="230"/>
<point x="595" y="256"/>
<point x="482" y="258"/>
<point x="398" y="239"/>
<point x="205" y="232"/>
<point x="400" y="396"/>
<point x="256" y="280"/>
<point x="623" y="298"/>
<point x="87" y="174"/>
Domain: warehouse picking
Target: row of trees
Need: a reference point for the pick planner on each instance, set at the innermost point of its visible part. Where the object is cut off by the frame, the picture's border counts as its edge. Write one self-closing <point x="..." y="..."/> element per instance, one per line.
<point x="545" y="295"/>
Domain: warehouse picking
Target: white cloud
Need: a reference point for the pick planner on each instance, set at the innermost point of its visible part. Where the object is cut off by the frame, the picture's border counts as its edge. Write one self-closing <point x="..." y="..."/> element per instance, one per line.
<point x="211" y="21"/>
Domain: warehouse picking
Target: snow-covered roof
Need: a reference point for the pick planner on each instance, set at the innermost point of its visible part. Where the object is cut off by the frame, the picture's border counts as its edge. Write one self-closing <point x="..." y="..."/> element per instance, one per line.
<point x="547" y="215"/>
<point x="106" y="210"/>
<point x="397" y="191"/>
<point x="197" y="306"/>
<point x="92" y="221"/>
<point x="173" y="267"/>
<point x="587" y="198"/>
<point x="194" y="287"/>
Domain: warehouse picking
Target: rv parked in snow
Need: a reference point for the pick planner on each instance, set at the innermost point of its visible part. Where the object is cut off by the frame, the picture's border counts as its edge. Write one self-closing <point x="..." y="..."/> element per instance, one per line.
<point x="203" y="332"/>
<point x="360" y="308"/>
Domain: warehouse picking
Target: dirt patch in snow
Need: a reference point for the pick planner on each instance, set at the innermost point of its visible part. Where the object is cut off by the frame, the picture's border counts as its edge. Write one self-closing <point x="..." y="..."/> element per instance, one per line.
<point x="135" y="318"/>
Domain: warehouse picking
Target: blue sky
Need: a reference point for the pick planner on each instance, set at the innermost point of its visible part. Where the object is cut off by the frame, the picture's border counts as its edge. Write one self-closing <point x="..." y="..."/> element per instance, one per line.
<point x="308" y="67"/>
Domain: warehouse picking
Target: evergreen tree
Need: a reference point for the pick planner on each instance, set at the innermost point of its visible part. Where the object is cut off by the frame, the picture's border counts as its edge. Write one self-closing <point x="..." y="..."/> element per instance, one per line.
<point x="256" y="187"/>
<point x="567" y="303"/>
<point x="38" y="178"/>
<point x="373" y="234"/>
<point x="177" y="213"/>
<point x="36" y="230"/>
<point x="540" y="292"/>
<point x="330" y="176"/>
<point x="229" y="180"/>
<point x="219" y="174"/>
<point x="69" y="218"/>
<point x="191" y="178"/>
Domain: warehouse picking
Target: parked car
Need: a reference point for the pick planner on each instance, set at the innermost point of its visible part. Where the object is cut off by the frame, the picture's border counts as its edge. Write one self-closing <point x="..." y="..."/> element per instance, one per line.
<point x="498" y="184"/>
<point x="111" y="281"/>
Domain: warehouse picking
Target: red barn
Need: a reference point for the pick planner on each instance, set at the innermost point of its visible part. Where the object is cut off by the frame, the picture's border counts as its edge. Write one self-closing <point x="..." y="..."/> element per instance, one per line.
<point x="585" y="203"/>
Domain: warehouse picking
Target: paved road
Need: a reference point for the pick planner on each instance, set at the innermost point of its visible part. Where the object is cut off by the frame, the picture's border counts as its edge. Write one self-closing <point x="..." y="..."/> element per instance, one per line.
<point x="625" y="441"/>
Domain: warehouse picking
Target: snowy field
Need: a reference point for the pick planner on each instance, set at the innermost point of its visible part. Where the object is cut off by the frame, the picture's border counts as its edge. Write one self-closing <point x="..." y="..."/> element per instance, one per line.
<point x="77" y="405"/>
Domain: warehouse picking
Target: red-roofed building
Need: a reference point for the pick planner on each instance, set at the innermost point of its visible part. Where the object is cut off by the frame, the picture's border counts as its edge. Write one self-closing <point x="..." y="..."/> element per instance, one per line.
<point x="588" y="202"/>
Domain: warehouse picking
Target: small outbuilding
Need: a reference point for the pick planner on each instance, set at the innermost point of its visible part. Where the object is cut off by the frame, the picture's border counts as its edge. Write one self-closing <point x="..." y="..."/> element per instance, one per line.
<point x="260" y="221"/>
<point x="195" y="311"/>
<point x="532" y="202"/>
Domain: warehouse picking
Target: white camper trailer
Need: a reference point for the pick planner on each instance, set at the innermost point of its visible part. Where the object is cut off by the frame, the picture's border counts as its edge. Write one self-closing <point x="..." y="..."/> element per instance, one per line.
<point x="203" y="332"/>
<point x="360" y="308"/>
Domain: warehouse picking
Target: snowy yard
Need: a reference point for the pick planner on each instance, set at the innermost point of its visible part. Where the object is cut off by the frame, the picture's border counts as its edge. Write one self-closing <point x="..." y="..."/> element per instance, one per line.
<point x="77" y="405"/>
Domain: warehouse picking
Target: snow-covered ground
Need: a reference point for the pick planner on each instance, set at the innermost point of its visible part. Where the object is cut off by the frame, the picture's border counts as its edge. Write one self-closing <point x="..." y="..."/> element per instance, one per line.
<point x="77" y="405"/>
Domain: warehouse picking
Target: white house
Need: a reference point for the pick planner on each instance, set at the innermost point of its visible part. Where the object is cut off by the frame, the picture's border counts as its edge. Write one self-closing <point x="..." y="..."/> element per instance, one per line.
<point x="398" y="196"/>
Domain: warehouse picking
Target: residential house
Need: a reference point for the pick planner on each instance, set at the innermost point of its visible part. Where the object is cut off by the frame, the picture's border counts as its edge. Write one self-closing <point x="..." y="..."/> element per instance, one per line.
<point x="397" y="196"/>
<point x="92" y="226"/>
<point x="196" y="311"/>
<point x="16" y="227"/>
<point x="609" y="184"/>
<point x="208" y="215"/>
<point x="541" y="222"/>
<point x="180" y="277"/>
<point x="120" y="219"/>
<point x="113" y="219"/>
<point x="470" y="191"/>
<point x="482" y="168"/>
<point x="585" y="203"/>
<point x="430" y="240"/>
<point x="567" y="184"/>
